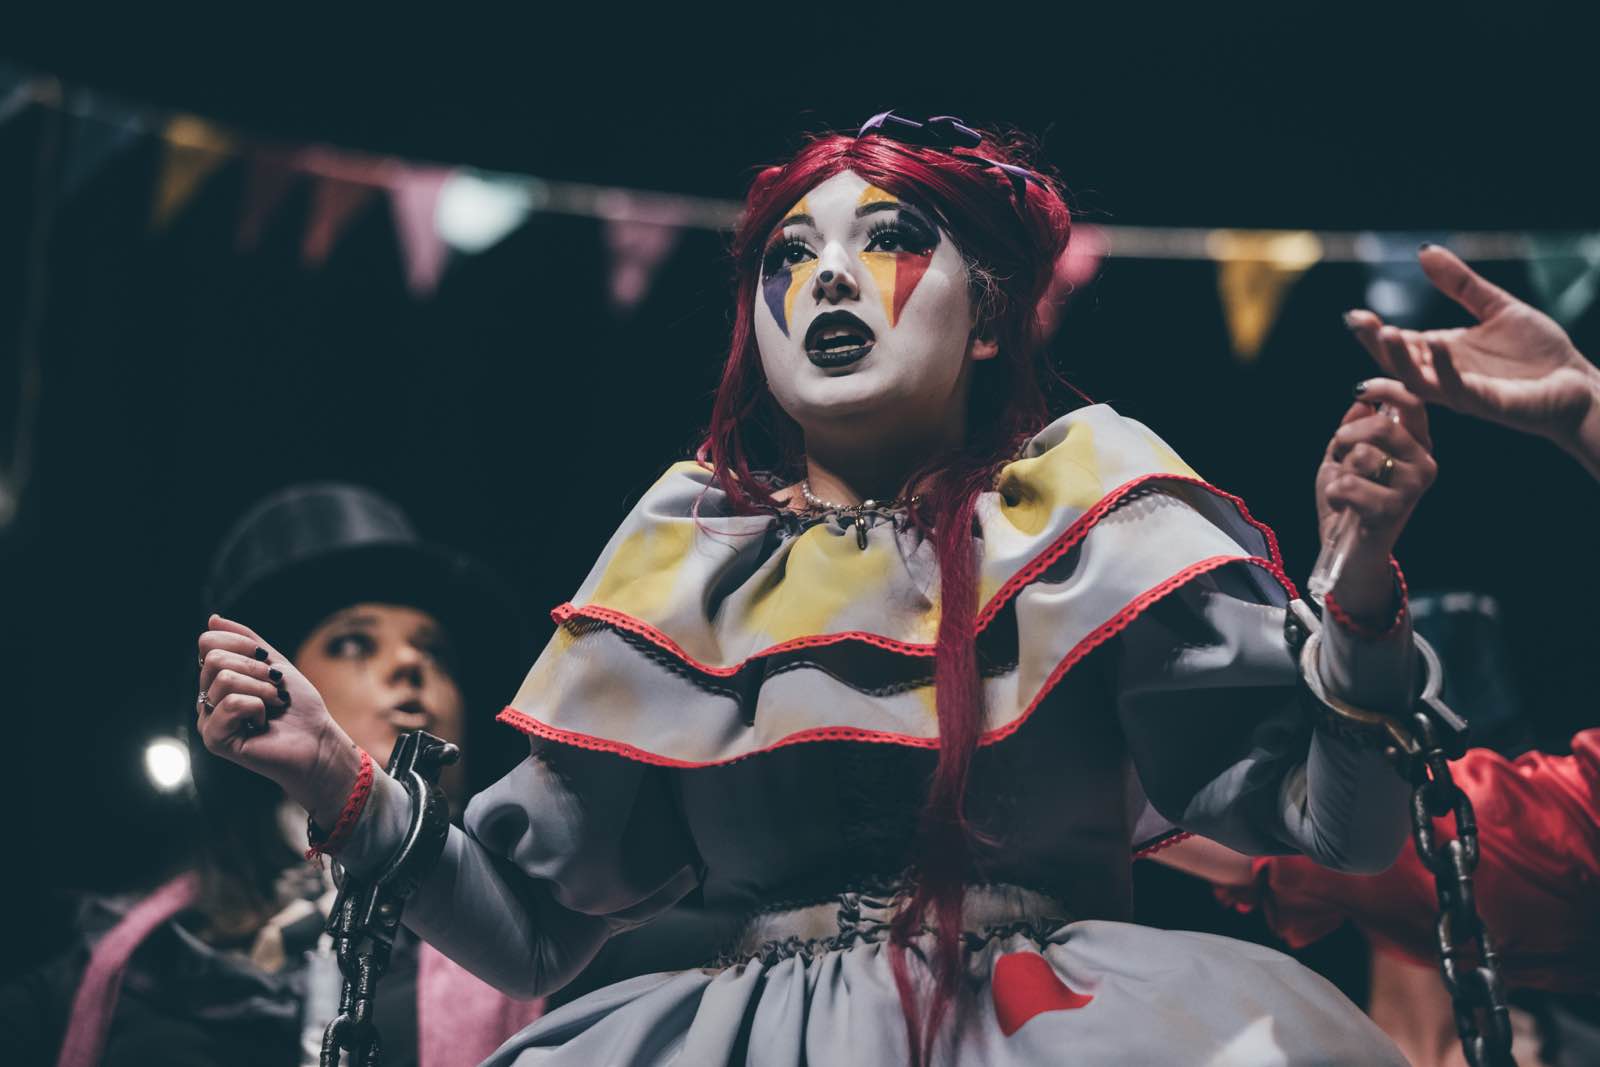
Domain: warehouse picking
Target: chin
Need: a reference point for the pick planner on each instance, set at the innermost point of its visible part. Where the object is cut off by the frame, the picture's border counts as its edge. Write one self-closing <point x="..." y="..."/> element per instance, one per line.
<point x="834" y="395"/>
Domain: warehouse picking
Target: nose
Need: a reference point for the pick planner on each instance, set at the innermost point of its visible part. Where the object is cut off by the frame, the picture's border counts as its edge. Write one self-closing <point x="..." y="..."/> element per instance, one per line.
<point x="834" y="280"/>
<point x="409" y="666"/>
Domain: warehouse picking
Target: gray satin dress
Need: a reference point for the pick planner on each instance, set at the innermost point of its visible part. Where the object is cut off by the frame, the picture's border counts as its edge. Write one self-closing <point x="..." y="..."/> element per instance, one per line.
<point x="738" y="710"/>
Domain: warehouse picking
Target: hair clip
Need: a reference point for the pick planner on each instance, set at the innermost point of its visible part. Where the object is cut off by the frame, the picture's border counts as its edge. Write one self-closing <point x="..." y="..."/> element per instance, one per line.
<point x="941" y="131"/>
<point x="947" y="132"/>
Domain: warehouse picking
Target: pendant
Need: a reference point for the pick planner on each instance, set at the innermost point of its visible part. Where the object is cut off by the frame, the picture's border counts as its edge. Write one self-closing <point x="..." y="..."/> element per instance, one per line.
<point x="861" y="532"/>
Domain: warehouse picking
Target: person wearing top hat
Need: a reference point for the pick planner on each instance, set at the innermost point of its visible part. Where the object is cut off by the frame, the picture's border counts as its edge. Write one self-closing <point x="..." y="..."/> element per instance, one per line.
<point x="227" y="963"/>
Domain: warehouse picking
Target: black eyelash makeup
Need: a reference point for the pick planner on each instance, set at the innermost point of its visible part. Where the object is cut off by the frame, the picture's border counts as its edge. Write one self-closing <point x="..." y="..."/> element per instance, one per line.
<point x="775" y="258"/>
<point x="907" y="230"/>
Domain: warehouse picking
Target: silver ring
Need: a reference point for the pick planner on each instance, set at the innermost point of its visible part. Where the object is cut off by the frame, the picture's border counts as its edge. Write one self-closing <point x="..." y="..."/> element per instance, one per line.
<point x="204" y="701"/>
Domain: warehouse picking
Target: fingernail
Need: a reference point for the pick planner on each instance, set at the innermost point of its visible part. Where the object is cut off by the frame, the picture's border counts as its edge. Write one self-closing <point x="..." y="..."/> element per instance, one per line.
<point x="1360" y="388"/>
<point x="261" y="654"/>
<point x="275" y="674"/>
<point x="1349" y="320"/>
<point x="283" y="696"/>
<point x="1424" y="246"/>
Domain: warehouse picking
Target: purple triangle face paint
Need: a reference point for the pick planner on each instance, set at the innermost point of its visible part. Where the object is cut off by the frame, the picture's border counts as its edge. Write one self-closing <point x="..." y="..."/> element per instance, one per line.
<point x="778" y="288"/>
<point x="775" y="290"/>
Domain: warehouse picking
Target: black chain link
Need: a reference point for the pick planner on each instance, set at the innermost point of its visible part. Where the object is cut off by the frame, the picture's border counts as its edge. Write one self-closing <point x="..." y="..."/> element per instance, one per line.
<point x="366" y="914"/>
<point x="1467" y="960"/>
<point x="1427" y="741"/>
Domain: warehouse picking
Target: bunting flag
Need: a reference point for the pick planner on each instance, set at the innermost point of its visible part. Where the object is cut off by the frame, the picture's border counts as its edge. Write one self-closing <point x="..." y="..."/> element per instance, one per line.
<point x="194" y="151"/>
<point x="334" y="204"/>
<point x="343" y="185"/>
<point x="637" y="250"/>
<point x="1075" y="268"/>
<point x="1565" y="272"/>
<point x="98" y="131"/>
<point x="270" y="176"/>
<point x="16" y="92"/>
<point x="1255" y="270"/>
<point x="1396" y="287"/>
<point x="414" y="196"/>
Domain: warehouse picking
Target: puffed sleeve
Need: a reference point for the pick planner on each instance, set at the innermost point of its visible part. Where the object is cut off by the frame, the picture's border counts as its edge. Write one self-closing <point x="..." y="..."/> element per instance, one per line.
<point x="1209" y="698"/>
<point x="567" y="849"/>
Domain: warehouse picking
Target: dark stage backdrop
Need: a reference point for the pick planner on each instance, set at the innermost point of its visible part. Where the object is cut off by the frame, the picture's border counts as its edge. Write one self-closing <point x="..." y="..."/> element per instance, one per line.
<point x="514" y="416"/>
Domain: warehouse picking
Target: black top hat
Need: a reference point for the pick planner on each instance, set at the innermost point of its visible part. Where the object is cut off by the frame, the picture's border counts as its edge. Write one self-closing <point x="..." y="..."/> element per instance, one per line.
<point x="307" y="551"/>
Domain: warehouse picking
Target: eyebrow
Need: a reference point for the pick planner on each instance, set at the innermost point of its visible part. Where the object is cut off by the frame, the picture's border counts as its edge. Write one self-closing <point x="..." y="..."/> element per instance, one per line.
<point x="351" y="618"/>
<point x="893" y="205"/>
<point x="861" y="212"/>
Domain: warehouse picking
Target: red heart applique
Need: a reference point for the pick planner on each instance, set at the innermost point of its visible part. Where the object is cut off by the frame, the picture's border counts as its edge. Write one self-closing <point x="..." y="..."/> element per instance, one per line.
<point x="1025" y="985"/>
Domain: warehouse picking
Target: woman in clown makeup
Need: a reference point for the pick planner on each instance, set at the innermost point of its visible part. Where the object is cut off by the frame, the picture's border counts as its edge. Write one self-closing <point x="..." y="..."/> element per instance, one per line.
<point x="899" y="672"/>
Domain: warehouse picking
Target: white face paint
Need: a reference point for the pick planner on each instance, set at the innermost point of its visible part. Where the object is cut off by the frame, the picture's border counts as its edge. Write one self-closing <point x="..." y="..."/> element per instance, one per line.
<point x="864" y="309"/>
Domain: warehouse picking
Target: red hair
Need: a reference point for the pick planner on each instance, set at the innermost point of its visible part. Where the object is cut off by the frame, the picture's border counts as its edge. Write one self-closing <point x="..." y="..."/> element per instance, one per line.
<point x="1011" y="242"/>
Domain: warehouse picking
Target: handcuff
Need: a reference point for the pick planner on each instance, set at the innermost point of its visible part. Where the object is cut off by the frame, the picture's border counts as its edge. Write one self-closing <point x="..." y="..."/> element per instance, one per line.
<point x="1303" y="632"/>
<point x="1420" y="748"/>
<point x="366" y="913"/>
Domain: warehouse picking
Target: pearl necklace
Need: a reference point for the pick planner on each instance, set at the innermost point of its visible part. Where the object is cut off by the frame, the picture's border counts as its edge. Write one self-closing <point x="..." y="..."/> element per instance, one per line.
<point x="857" y="513"/>
<point x="816" y="503"/>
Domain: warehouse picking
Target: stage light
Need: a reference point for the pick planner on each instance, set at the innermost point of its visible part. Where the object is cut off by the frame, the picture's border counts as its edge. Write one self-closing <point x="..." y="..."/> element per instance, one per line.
<point x="166" y="762"/>
<point x="474" y="214"/>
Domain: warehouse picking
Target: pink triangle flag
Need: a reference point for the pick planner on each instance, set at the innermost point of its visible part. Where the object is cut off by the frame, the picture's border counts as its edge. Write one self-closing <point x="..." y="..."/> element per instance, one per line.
<point x="1075" y="268"/>
<point x="414" y="197"/>
<point x="637" y="249"/>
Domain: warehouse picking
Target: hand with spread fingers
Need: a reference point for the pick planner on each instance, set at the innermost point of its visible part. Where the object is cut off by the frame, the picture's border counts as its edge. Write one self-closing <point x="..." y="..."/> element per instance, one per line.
<point x="1516" y="367"/>
<point x="257" y="710"/>
<point x="1377" y="466"/>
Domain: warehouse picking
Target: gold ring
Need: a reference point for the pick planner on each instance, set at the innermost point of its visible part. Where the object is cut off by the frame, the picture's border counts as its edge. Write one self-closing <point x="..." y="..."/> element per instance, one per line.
<point x="1385" y="473"/>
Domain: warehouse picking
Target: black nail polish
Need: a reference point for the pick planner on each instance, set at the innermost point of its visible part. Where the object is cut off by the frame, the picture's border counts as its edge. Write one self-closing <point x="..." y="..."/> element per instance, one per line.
<point x="261" y="654"/>
<point x="275" y="674"/>
<point x="1424" y="246"/>
<point x="283" y="697"/>
<point x="1361" y="387"/>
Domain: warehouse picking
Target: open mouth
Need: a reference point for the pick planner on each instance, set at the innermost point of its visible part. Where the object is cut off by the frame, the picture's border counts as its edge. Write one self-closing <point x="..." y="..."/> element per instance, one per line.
<point x="837" y="339"/>
<point x="411" y="710"/>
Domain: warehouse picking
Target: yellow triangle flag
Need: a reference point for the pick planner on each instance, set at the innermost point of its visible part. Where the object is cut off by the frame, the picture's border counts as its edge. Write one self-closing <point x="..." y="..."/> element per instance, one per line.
<point x="1255" y="269"/>
<point x="194" y="150"/>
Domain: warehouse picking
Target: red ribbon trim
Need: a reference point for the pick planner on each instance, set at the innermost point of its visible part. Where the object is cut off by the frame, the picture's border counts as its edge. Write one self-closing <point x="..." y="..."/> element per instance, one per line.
<point x="526" y="723"/>
<point x="1030" y="571"/>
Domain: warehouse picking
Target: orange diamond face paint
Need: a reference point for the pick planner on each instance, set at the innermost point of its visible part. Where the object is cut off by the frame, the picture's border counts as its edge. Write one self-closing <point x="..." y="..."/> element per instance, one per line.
<point x="899" y="251"/>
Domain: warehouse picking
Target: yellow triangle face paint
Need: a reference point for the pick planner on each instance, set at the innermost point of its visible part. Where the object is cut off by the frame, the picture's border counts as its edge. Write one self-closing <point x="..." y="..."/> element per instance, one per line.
<point x="883" y="267"/>
<point x="799" y="278"/>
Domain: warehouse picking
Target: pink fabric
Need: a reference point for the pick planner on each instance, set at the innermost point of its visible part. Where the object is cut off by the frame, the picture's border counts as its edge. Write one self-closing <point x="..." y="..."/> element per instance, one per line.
<point x="96" y="998"/>
<point x="460" y="1019"/>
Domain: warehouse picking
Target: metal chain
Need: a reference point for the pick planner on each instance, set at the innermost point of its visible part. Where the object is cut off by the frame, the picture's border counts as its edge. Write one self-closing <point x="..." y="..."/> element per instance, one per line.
<point x="1421" y="747"/>
<point x="366" y="914"/>
<point x="1467" y="960"/>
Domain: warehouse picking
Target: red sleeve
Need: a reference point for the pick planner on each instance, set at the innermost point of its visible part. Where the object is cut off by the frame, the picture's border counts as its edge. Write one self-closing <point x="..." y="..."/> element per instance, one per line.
<point x="1537" y="882"/>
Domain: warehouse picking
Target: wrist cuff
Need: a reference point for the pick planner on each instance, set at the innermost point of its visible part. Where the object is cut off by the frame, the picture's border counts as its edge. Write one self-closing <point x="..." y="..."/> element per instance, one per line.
<point x="1347" y="621"/>
<point x="330" y="842"/>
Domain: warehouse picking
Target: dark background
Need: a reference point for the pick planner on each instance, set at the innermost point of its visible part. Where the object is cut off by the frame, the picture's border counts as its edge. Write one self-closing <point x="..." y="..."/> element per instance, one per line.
<point x="515" y="416"/>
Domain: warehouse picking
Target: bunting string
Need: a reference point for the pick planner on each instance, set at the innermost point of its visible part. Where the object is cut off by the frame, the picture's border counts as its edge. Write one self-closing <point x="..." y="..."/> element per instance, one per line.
<point x="439" y="212"/>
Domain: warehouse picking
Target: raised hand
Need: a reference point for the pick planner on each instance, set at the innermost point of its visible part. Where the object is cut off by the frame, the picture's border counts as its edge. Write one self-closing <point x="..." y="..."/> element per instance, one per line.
<point x="1516" y="367"/>
<point x="257" y="710"/>
<point x="1377" y="466"/>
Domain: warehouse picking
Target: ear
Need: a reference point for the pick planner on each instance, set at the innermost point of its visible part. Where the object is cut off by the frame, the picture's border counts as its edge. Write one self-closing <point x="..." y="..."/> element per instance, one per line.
<point x="980" y="347"/>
